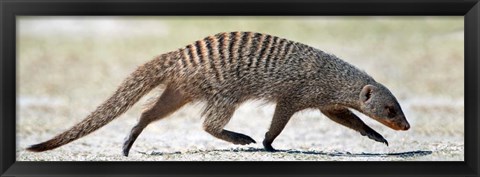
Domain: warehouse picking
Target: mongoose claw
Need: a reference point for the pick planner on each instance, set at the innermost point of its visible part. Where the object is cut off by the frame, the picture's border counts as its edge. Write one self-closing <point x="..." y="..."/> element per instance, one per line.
<point x="375" y="136"/>
<point x="383" y="141"/>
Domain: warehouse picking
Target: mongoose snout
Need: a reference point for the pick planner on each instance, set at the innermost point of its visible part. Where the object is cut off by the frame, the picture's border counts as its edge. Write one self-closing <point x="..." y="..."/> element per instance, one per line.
<point x="398" y="124"/>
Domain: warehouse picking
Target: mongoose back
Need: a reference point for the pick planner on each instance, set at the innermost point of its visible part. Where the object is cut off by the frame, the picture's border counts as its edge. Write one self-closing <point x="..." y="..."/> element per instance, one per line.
<point x="226" y="69"/>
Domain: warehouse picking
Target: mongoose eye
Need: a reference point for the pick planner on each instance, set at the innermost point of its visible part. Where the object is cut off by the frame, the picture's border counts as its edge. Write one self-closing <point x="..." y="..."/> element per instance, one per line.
<point x="390" y="111"/>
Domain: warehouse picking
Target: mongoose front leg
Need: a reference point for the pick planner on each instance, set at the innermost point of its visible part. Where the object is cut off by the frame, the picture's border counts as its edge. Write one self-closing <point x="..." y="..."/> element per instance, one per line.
<point x="169" y="102"/>
<point x="217" y="117"/>
<point x="345" y="117"/>
<point x="283" y="112"/>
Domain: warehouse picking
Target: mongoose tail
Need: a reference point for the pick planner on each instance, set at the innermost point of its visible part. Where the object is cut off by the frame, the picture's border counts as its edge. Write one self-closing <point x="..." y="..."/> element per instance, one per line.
<point x="140" y="82"/>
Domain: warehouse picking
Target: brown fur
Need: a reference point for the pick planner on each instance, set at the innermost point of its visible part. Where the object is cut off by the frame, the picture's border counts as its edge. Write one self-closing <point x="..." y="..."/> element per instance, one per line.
<point x="227" y="69"/>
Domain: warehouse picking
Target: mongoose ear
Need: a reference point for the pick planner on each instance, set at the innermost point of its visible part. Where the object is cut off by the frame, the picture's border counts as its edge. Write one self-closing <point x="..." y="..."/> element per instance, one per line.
<point x="366" y="93"/>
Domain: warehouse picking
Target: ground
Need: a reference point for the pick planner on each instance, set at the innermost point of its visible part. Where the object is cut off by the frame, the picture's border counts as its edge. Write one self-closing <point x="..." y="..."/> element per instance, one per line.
<point x="65" y="71"/>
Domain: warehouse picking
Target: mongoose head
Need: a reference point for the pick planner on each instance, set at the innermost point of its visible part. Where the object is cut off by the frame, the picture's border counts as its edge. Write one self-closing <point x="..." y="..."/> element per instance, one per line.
<point x="377" y="102"/>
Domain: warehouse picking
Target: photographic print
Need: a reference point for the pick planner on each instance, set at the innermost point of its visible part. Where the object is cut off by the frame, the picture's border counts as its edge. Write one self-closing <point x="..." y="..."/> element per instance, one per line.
<point x="240" y="88"/>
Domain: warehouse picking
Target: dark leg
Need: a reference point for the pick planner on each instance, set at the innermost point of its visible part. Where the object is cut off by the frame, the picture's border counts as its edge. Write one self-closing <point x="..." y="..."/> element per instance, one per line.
<point x="216" y="117"/>
<point x="169" y="102"/>
<point x="347" y="118"/>
<point x="283" y="113"/>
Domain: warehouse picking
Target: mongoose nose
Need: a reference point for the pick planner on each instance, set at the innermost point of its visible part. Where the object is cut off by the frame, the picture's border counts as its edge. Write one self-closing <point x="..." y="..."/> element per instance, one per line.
<point x="406" y="126"/>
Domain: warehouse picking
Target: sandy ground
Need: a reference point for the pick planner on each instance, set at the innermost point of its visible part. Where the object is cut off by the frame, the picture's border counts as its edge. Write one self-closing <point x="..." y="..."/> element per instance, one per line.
<point x="308" y="136"/>
<point x="63" y="78"/>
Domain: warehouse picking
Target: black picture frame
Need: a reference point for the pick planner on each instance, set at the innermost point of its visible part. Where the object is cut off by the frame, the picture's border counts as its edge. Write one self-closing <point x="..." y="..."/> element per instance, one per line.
<point x="470" y="9"/>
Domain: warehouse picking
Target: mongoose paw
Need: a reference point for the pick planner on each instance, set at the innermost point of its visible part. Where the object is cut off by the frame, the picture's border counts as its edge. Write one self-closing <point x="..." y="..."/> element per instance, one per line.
<point x="268" y="147"/>
<point x="126" y="147"/>
<point x="125" y="152"/>
<point x="375" y="136"/>
<point x="243" y="139"/>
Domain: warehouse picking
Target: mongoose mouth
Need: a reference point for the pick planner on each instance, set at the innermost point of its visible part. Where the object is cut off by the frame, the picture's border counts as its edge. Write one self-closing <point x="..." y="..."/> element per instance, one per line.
<point x="395" y="125"/>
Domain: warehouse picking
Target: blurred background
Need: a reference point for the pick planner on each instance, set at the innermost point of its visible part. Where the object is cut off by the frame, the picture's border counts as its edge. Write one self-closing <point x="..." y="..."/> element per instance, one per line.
<point x="66" y="66"/>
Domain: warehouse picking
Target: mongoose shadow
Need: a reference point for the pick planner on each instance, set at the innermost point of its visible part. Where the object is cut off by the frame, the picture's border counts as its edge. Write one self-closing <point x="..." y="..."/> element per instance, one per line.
<point x="405" y="154"/>
<point x="228" y="69"/>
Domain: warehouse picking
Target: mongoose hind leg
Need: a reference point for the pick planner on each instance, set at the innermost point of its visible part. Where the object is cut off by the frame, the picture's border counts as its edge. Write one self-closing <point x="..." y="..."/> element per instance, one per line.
<point x="345" y="117"/>
<point x="170" y="101"/>
<point x="283" y="112"/>
<point x="216" y="117"/>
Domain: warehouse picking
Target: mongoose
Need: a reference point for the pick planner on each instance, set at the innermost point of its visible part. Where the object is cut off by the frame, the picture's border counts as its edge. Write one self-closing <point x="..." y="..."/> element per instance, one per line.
<point x="226" y="69"/>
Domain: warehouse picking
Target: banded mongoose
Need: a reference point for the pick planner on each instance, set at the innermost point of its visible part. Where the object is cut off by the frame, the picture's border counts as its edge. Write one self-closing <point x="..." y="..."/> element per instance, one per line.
<point x="226" y="69"/>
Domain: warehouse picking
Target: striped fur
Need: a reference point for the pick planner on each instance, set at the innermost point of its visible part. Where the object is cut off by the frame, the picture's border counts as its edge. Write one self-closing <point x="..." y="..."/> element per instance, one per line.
<point x="227" y="69"/>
